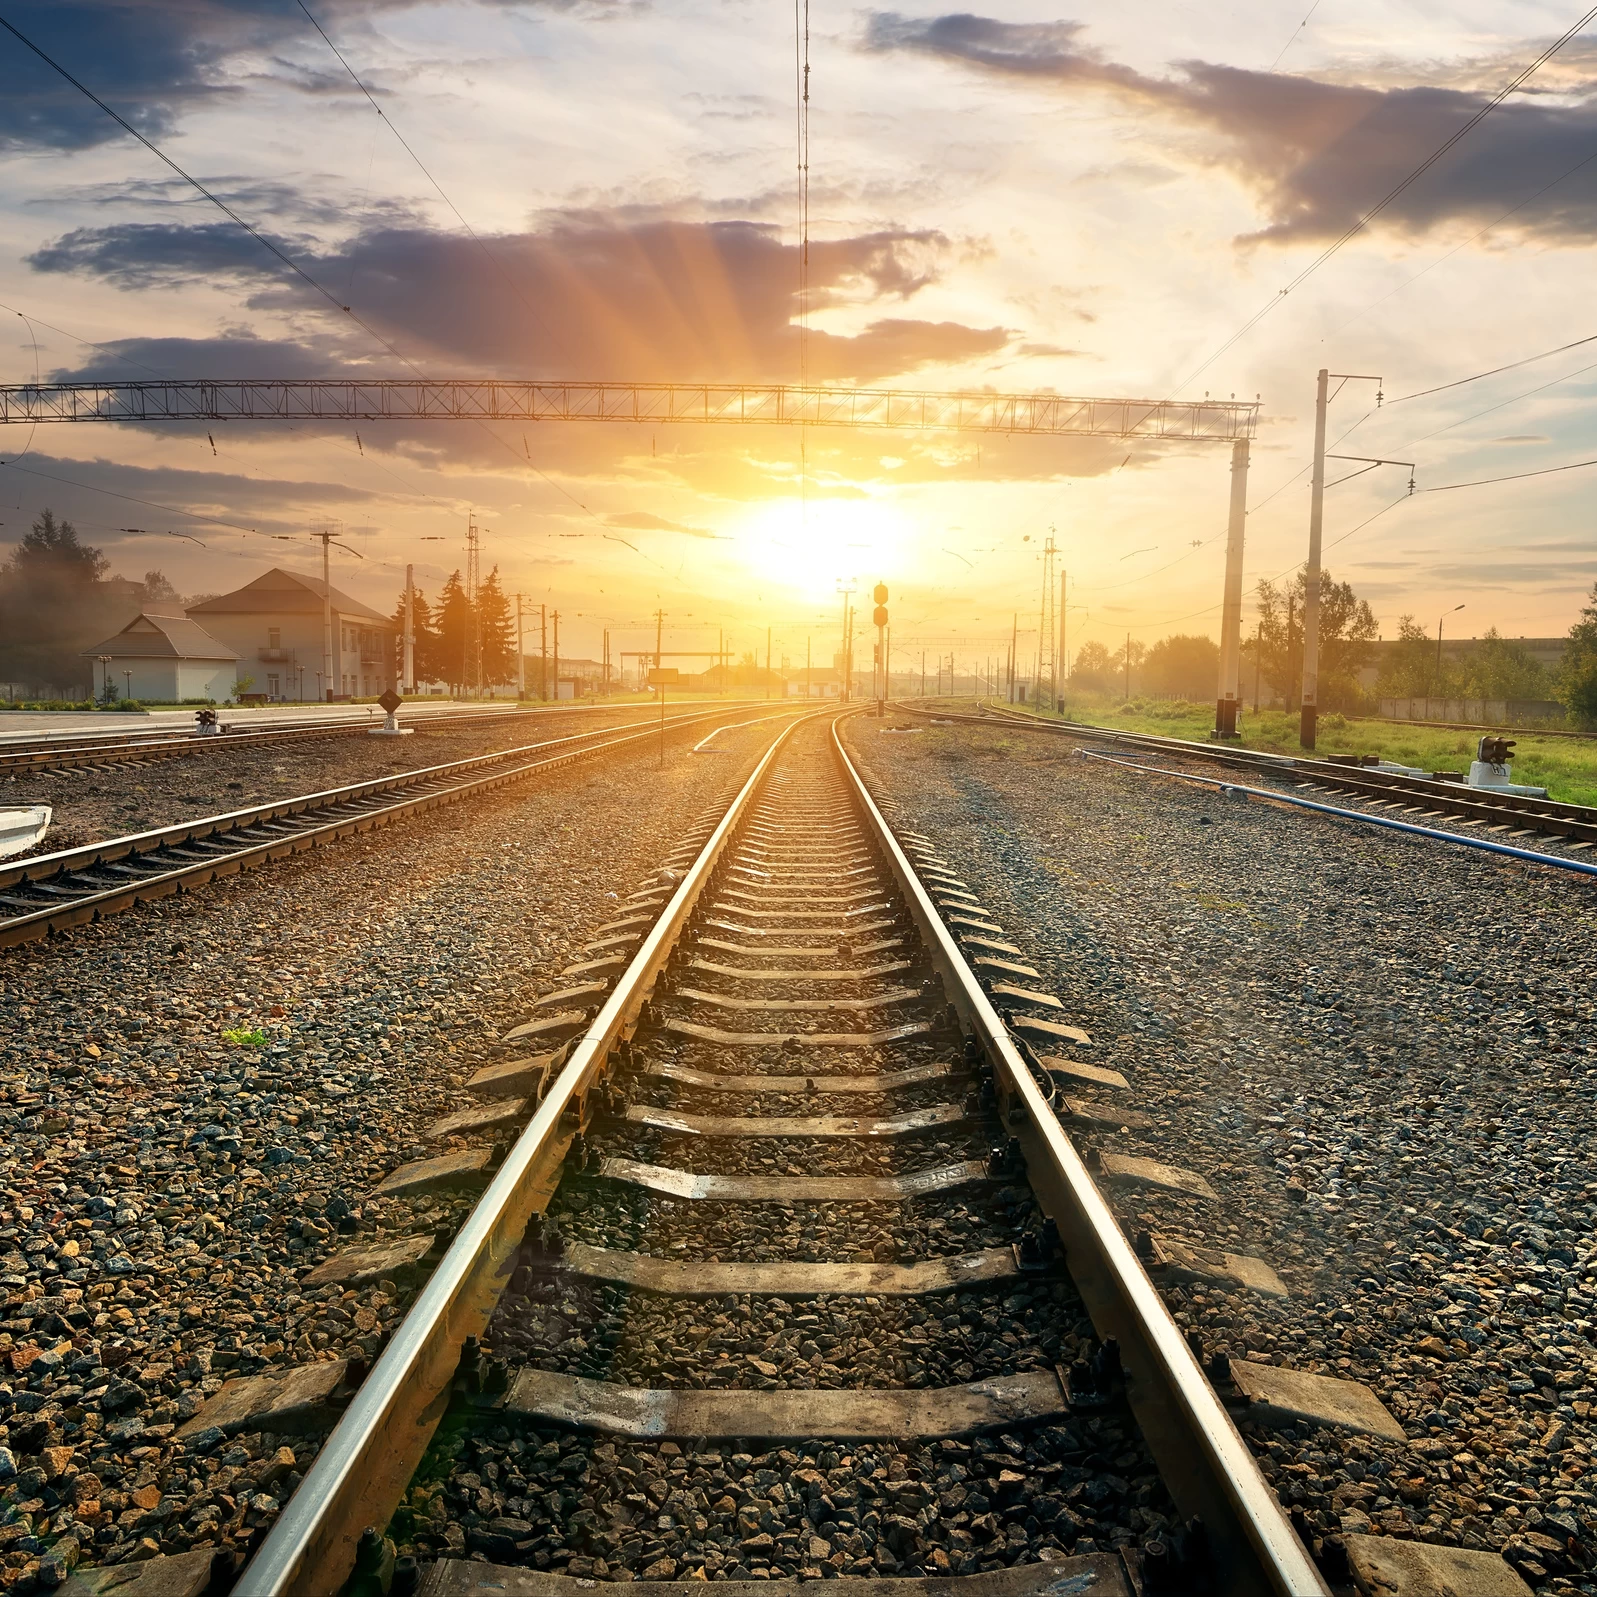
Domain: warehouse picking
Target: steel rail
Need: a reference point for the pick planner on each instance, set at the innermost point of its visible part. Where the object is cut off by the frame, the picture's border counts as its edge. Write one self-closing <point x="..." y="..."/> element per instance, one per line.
<point x="1201" y="1455"/>
<point x="1385" y="822"/>
<point x="82" y="908"/>
<point x="362" y="1470"/>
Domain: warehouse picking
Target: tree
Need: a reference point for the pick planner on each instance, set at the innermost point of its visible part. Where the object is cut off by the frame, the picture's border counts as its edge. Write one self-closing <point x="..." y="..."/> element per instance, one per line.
<point x="498" y="632"/>
<point x="1577" y="677"/>
<point x="1093" y="668"/>
<point x="454" y="632"/>
<point x="1182" y="667"/>
<point x="52" y="549"/>
<point x="1408" y="670"/>
<point x="1500" y="669"/>
<point x="157" y="590"/>
<point x="53" y="606"/>
<point x="1347" y="632"/>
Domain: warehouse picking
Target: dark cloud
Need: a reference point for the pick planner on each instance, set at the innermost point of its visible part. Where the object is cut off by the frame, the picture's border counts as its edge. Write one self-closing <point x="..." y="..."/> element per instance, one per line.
<point x="657" y="300"/>
<point x="1316" y="154"/>
<point x="154" y="60"/>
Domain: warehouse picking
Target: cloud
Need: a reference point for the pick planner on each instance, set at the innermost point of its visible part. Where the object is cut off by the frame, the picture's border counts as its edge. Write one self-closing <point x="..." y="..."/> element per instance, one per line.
<point x="1315" y="154"/>
<point x="644" y="521"/>
<point x="645" y="300"/>
<point x="155" y="61"/>
<point x="1522" y="438"/>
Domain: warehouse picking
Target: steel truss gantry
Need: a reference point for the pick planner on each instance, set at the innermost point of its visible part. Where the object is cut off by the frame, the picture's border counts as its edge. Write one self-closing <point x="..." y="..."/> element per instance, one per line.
<point x="495" y="399"/>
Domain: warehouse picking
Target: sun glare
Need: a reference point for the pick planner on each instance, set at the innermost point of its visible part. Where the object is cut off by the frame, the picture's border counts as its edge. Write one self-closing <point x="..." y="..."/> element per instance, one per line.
<point x="809" y="550"/>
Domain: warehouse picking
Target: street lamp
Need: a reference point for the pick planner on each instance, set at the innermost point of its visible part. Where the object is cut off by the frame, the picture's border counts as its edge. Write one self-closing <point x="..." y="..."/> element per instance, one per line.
<point x="105" y="677"/>
<point x="1437" y="680"/>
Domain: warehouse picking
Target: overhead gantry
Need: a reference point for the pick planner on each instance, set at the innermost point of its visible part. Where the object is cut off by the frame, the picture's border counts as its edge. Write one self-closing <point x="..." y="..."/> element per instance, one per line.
<point x="338" y="399"/>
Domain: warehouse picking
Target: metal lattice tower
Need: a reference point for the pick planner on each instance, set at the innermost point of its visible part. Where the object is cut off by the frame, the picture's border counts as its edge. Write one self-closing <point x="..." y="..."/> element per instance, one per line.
<point x="1047" y="626"/>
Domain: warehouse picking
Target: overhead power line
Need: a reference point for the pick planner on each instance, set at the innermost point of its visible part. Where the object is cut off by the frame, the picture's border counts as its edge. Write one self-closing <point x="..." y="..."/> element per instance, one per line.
<point x="1356" y="227"/>
<point x="422" y="167"/>
<point x="215" y="199"/>
<point x="1513" y="365"/>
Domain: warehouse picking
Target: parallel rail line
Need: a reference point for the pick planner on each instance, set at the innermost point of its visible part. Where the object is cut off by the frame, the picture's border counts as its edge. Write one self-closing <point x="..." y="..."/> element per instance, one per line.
<point x="48" y="893"/>
<point x="1406" y="797"/>
<point x="94" y="752"/>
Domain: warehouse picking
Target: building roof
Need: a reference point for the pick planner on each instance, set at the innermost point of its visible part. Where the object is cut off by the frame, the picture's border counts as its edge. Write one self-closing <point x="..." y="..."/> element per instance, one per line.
<point x="150" y="636"/>
<point x="280" y="592"/>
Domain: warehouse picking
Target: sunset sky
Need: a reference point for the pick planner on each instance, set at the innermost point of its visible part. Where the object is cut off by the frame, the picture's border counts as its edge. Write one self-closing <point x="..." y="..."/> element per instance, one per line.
<point x="1091" y="201"/>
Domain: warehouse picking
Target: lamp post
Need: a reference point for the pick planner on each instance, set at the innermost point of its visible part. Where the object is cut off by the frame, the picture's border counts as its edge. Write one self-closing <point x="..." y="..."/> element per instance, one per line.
<point x="105" y="676"/>
<point x="1436" y="681"/>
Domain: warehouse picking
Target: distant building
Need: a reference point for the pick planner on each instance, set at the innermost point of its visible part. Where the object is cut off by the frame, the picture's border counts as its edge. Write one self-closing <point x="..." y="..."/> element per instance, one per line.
<point x="274" y="625"/>
<point x="163" y="659"/>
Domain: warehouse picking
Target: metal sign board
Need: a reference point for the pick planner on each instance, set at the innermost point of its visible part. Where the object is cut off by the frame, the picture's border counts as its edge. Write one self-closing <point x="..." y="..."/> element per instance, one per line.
<point x="664" y="676"/>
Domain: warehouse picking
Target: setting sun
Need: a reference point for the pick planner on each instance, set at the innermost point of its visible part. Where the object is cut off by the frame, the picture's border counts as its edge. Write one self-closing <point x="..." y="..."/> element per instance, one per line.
<point x="810" y="549"/>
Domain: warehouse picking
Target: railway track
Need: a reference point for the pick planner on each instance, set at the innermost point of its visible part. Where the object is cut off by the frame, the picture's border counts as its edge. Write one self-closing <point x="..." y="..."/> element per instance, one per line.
<point x="792" y="1270"/>
<point x="103" y="752"/>
<point x="1506" y="816"/>
<point x="49" y="893"/>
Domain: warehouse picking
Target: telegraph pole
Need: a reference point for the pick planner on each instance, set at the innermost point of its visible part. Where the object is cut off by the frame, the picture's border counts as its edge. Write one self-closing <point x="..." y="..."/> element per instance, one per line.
<point x="555" y="617"/>
<point x="1229" y="699"/>
<point x="923" y="673"/>
<point x="808" y="686"/>
<point x="473" y="662"/>
<point x="408" y="666"/>
<point x="1014" y="648"/>
<point x="1047" y="660"/>
<point x="1062" y="662"/>
<point x="543" y="658"/>
<point x="767" y="662"/>
<point x="327" y="615"/>
<point x="521" y="664"/>
<point x="1311" y="576"/>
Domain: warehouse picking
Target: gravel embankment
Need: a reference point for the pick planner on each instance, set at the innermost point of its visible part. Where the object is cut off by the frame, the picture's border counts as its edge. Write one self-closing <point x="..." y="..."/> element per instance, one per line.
<point x="1379" y="1052"/>
<point x="164" y="1190"/>
<point x="137" y="796"/>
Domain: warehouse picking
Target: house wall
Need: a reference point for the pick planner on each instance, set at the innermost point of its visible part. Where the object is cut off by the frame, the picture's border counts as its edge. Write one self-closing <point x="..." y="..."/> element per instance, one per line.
<point x="288" y="645"/>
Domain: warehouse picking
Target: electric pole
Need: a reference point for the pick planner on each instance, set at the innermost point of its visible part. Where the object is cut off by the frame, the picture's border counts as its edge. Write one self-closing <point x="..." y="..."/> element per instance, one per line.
<point x="543" y="657"/>
<point x="1062" y="666"/>
<point x="1047" y="659"/>
<point x="327" y="615"/>
<point x="555" y="617"/>
<point x="473" y="662"/>
<point x="767" y="662"/>
<point x="521" y="664"/>
<point x="1229" y="699"/>
<point x="1311" y="576"/>
<point x="407" y="670"/>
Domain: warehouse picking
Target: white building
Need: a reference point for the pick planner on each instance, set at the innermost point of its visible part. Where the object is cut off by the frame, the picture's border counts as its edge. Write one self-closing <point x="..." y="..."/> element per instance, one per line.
<point x="274" y="625"/>
<point x="163" y="659"/>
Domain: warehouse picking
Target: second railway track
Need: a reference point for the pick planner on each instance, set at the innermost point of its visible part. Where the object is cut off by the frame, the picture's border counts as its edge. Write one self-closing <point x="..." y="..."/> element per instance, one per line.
<point x="46" y="893"/>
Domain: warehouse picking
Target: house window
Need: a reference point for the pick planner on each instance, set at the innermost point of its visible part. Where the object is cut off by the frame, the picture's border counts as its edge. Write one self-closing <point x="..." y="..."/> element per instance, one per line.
<point x="272" y="689"/>
<point x="274" y="637"/>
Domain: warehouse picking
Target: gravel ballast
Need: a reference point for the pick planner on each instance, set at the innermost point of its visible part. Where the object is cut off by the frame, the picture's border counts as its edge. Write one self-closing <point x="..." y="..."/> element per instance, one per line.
<point x="1378" y="1051"/>
<point x="165" y="1188"/>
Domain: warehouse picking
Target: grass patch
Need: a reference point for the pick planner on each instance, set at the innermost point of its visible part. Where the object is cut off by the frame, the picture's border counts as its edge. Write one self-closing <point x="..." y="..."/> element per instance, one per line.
<point x="243" y="1037"/>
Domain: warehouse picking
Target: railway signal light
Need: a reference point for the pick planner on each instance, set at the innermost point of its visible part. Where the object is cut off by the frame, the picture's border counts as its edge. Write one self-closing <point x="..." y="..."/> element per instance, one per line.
<point x="879" y="593"/>
<point x="879" y="615"/>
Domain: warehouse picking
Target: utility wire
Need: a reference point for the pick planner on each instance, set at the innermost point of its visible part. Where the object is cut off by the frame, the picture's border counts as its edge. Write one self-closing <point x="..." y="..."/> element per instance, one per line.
<point x="422" y="167"/>
<point x="1518" y="476"/>
<point x="1356" y="227"/>
<point x="1295" y="32"/>
<point x="215" y="199"/>
<point x="1513" y="365"/>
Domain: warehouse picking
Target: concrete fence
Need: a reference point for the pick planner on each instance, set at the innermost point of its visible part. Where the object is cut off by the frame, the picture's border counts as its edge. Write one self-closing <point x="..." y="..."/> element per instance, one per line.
<point x="1473" y="712"/>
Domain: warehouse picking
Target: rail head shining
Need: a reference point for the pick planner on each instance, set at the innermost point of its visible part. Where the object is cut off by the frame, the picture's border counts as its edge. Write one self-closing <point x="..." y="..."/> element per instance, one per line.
<point x="363" y="1467"/>
<point x="1202" y="1456"/>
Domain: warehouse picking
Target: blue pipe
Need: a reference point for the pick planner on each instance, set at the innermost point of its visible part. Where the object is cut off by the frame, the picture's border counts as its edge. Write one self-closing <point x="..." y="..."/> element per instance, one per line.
<point x="1580" y="867"/>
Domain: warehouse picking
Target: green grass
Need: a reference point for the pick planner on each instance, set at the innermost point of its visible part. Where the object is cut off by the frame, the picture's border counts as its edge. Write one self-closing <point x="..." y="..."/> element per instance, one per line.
<point x="1566" y="767"/>
<point x="243" y="1037"/>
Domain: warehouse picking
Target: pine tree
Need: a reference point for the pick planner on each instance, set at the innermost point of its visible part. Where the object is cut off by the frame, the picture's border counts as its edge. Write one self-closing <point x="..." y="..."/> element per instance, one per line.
<point x="498" y="632"/>
<point x="453" y="632"/>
